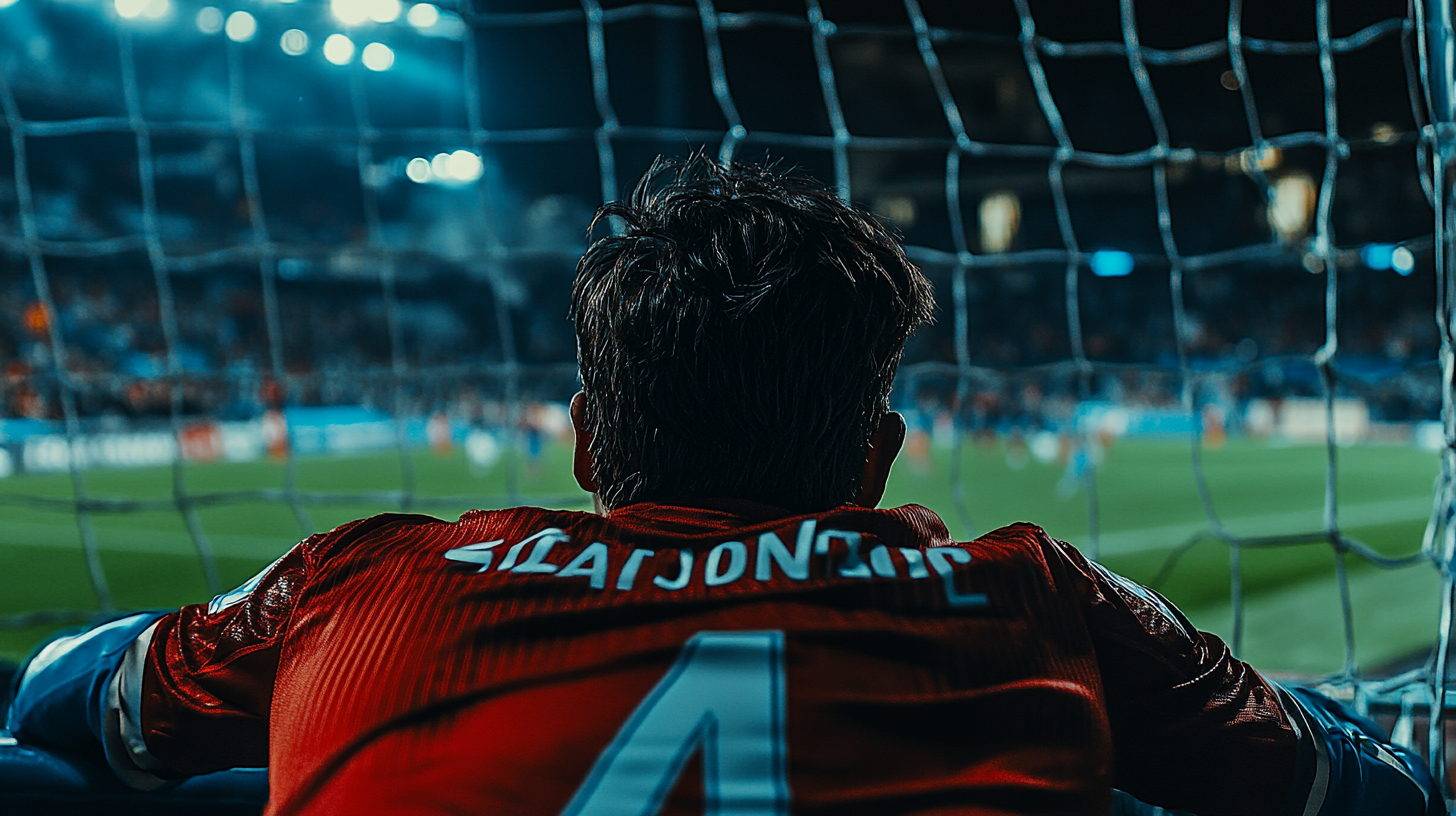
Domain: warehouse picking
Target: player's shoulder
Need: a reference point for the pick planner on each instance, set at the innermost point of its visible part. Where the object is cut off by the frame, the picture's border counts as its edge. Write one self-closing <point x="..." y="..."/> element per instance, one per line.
<point x="413" y="532"/>
<point x="1030" y="545"/>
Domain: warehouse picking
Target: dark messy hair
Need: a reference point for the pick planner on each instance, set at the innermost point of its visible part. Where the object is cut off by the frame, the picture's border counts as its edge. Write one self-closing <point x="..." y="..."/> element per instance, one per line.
<point x="739" y="337"/>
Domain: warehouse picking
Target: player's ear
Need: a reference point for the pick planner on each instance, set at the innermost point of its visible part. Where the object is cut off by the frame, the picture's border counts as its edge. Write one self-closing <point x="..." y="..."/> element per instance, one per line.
<point x="581" y="459"/>
<point x="885" y="445"/>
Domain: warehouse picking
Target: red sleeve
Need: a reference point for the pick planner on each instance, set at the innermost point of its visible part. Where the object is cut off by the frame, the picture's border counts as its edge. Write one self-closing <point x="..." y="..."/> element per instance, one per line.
<point x="208" y="680"/>
<point x="1193" y="728"/>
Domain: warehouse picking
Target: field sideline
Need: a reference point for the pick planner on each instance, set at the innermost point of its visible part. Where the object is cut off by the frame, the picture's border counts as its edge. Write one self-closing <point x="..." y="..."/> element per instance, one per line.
<point x="1148" y="506"/>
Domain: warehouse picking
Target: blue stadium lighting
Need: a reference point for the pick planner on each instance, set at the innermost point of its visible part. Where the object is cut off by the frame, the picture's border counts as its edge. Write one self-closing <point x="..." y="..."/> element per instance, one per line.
<point x="151" y="9"/>
<point x="209" y="20"/>
<point x="294" y="42"/>
<point x="241" y="26"/>
<point x="378" y="57"/>
<point x="1378" y="256"/>
<point x="421" y="15"/>
<point x="465" y="166"/>
<point x="339" y="49"/>
<point x="356" y="12"/>
<point x="1111" y="263"/>
<point x="385" y="11"/>
<point x="1402" y="261"/>
<point x="350" y="12"/>
<point x="419" y="170"/>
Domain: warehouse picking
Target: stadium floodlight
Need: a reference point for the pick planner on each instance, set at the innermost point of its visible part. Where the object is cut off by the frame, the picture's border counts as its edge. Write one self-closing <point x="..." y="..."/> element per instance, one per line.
<point x="421" y="15"/>
<point x="130" y="9"/>
<point x="1402" y="261"/>
<point x="339" y="49"/>
<point x="294" y="42"/>
<point x="418" y="170"/>
<point x="384" y="11"/>
<point x="378" y="57"/>
<point x="1378" y="256"/>
<point x="350" y="12"/>
<point x="209" y="20"/>
<point x="440" y="165"/>
<point x="464" y="166"/>
<point x="1000" y="216"/>
<point x="241" y="26"/>
<point x="1292" y="206"/>
<point x="1111" y="263"/>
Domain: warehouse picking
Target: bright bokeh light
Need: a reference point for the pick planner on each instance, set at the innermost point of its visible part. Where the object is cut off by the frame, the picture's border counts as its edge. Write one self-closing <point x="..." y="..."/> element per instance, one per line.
<point x="418" y="170"/>
<point x="294" y="42"/>
<point x="384" y="11"/>
<point x="131" y="8"/>
<point x="9" y="3"/>
<point x="1293" y="205"/>
<point x="350" y="12"/>
<point x="378" y="57"/>
<point x="1378" y="256"/>
<point x="209" y="20"/>
<point x="338" y="49"/>
<point x="1000" y="216"/>
<point x="157" y="9"/>
<point x="1403" y="261"/>
<point x="440" y="165"/>
<point x="241" y="26"/>
<point x="421" y="15"/>
<point x="464" y="166"/>
<point x="1111" y="263"/>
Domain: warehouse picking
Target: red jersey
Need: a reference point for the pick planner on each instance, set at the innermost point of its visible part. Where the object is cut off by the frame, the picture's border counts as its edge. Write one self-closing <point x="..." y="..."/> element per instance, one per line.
<point x="689" y="660"/>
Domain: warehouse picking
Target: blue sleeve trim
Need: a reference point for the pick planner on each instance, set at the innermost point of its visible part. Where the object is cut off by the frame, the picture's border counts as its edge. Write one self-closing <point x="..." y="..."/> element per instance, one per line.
<point x="60" y="693"/>
<point x="1366" y="774"/>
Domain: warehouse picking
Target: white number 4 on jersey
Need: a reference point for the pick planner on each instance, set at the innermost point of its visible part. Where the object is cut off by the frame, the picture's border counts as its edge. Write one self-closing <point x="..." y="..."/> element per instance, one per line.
<point x="725" y="695"/>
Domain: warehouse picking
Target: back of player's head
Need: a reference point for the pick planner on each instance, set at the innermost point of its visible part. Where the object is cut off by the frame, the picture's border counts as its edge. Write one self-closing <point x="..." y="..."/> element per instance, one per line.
<point x="739" y="338"/>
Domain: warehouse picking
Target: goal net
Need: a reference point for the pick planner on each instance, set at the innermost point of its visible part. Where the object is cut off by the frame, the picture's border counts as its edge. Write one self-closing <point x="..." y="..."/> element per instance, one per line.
<point x="272" y="266"/>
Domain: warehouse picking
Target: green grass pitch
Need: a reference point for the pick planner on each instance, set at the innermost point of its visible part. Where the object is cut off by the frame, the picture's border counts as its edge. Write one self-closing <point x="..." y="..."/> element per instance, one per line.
<point x="1147" y="501"/>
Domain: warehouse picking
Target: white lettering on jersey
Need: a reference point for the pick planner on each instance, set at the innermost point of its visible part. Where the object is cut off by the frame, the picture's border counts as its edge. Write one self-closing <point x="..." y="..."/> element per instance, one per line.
<point x="724" y="695"/>
<point x="628" y="576"/>
<point x="940" y="558"/>
<point x="545" y="540"/>
<point x="915" y="562"/>
<point x="685" y="573"/>
<point x="725" y="563"/>
<point x="715" y="573"/>
<point x="880" y="562"/>
<point x="591" y="562"/>
<point x="852" y="566"/>
<point x="796" y="566"/>
<point x="475" y="553"/>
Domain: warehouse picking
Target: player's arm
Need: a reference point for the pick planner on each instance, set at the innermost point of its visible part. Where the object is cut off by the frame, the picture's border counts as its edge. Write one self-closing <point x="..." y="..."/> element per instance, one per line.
<point x="166" y="695"/>
<point x="62" y="693"/>
<point x="1195" y="729"/>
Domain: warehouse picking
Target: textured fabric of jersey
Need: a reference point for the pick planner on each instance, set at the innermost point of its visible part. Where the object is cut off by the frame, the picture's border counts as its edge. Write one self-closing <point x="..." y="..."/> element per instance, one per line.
<point x="518" y="662"/>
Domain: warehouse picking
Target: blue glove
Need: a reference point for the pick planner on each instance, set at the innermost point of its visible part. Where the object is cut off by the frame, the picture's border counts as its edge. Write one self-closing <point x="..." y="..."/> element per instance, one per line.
<point x="60" y="693"/>
<point x="1367" y="776"/>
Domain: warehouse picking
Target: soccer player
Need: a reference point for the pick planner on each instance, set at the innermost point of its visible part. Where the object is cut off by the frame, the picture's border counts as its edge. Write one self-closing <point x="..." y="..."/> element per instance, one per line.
<point x="736" y="630"/>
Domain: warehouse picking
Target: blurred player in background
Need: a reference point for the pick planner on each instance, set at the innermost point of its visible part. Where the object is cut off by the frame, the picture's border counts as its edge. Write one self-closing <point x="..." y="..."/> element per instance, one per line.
<point x="736" y="630"/>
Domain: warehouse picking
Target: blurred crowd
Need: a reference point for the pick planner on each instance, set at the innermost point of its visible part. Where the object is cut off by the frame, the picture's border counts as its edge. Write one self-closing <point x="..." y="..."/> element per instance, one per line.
<point x="1249" y="334"/>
